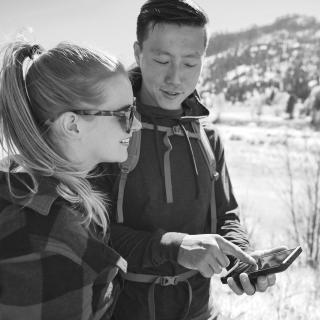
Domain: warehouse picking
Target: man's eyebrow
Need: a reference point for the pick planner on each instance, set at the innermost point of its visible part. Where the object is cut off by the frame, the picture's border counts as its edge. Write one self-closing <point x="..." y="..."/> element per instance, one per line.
<point x="189" y="55"/>
<point x="160" y="52"/>
<point x="192" y="55"/>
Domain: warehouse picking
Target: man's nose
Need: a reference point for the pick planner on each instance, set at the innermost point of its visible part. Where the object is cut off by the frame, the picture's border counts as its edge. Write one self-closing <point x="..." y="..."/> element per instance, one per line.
<point x="174" y="75"/>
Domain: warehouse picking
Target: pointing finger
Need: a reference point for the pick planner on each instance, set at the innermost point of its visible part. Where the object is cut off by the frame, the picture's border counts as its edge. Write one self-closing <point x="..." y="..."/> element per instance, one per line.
<point x="229" y="248"/>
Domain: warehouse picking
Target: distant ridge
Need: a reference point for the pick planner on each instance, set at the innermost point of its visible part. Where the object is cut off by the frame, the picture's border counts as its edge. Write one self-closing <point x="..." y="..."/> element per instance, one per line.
<point x="285" y="53"/>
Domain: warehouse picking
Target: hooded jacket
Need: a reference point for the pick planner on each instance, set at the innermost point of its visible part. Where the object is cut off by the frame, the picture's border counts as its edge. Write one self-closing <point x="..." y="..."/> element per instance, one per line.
<point x="153" y="228"/>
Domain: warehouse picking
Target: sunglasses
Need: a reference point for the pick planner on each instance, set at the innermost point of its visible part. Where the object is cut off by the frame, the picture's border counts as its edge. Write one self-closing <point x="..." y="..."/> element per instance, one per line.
<point x="126" y="115"/>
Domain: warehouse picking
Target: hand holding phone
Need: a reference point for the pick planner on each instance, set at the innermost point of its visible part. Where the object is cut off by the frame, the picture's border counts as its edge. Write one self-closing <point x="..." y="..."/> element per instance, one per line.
<point x="267" y="264"/>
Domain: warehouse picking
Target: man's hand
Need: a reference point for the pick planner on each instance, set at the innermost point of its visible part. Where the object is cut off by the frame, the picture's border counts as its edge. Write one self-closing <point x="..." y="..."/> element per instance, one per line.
<point x="207" y="253"/>
<point x="262" y="283"/>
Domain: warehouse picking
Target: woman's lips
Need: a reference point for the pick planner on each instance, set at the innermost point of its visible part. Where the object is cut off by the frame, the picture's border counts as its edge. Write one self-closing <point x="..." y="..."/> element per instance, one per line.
<point x="125" y="142"/>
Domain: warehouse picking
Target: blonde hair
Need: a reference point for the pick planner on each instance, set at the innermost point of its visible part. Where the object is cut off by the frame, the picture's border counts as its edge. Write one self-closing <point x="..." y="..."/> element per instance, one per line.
<point x="53" y="82"/>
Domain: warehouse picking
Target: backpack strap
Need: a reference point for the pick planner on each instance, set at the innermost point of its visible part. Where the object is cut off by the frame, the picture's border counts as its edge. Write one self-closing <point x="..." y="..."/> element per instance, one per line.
<point x="167" y="168"/>
<point x="126" y="167"/>
<point x="211" y="162"/>
<point x="169" y="131"/>
<point x="133" y="158"/>
<point x="164" y="281"/>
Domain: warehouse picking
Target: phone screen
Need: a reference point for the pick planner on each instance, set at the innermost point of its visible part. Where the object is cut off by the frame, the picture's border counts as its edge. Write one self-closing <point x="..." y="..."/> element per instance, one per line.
<point x="269" y="263"/>
<point x="273" y="260"/>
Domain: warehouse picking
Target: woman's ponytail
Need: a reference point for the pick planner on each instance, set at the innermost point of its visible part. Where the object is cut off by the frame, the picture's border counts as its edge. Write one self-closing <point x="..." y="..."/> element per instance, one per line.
<point x="38" y="85"/>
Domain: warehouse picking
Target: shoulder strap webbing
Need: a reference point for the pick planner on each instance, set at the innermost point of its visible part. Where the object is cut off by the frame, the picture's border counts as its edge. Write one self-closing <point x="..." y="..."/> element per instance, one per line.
<point x="126" y="167"/>
<point x="169" y="131"/>
<point x="211" y="162"/>
<point x="133" y="158"/>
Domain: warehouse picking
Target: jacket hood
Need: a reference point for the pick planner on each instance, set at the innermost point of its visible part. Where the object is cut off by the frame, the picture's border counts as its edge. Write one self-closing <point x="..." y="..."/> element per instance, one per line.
<point x="193" y="108"/>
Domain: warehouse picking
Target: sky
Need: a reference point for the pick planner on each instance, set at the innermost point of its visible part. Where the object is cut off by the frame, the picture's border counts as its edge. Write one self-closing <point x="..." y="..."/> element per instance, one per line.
<point x="110" y="24"/>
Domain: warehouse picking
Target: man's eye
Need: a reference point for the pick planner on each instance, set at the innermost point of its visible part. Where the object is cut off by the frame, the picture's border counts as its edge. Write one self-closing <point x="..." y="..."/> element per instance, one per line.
<point x="161" y="62"/>
<point x="190" y="65"/>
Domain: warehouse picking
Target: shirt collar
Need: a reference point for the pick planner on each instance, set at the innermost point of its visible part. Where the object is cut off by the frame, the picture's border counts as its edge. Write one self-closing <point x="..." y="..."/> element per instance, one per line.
<point x="41" y="201"/>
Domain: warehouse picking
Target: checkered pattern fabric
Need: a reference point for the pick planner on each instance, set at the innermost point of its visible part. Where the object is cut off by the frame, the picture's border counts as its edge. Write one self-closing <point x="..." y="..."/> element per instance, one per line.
<point x="51" y="266"/>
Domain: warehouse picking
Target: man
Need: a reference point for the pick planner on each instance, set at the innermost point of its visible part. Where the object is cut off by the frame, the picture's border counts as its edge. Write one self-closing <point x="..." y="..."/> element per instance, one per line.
<point x="165" y="234"/>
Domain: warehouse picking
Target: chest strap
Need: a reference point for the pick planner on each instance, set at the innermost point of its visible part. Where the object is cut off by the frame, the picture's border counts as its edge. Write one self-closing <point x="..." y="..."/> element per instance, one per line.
<point x="163" y="281"/>
<point x="169" y="131"/>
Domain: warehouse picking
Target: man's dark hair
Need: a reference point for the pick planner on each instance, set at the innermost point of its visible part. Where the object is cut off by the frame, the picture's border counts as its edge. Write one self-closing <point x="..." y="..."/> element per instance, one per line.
<point x="180" y="12"/>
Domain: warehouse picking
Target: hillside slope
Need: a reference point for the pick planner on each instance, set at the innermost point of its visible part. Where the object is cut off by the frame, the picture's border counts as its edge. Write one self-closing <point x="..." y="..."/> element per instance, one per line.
<point x="285" y="53"/>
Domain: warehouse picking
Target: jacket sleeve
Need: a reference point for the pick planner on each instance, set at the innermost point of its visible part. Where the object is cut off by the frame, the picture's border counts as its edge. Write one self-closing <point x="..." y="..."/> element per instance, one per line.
<point x="144" y="249"/>
<point x="228" y="215"/>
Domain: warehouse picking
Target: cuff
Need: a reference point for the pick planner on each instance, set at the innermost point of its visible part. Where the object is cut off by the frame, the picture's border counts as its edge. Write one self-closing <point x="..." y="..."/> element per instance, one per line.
<point x="169" y="245"/>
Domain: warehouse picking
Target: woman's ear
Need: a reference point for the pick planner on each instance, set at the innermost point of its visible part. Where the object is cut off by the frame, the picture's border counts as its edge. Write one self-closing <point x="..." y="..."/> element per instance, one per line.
<point x="68" y="124"/>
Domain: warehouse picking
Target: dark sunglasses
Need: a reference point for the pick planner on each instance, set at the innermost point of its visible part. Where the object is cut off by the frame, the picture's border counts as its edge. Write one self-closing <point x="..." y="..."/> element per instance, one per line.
<point x="126" y="115"/>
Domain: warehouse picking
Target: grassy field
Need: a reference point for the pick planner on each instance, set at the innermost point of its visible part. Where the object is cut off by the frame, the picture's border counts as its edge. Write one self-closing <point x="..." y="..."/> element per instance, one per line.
<point x="295" y="296"/>
<point x="256" y="157"/>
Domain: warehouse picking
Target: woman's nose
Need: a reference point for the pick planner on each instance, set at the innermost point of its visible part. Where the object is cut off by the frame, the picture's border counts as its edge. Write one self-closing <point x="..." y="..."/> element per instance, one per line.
<point x="136" y="124"/>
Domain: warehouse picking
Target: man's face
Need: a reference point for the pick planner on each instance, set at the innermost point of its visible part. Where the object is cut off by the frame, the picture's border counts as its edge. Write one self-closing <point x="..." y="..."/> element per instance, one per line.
<point x="170" y="60"/>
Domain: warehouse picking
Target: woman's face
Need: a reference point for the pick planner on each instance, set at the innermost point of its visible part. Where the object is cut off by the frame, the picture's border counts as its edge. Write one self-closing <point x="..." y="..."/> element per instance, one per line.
<point x="105" y="138"/>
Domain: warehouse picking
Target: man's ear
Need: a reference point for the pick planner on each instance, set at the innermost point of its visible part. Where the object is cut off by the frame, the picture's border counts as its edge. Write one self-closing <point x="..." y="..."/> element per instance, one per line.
<point x="68" y="123"/>
<point x="137" y="52"/>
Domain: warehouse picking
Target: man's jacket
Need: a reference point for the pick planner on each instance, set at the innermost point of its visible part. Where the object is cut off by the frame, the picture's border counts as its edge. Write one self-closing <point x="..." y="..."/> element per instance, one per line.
<point x="153" y="229"/>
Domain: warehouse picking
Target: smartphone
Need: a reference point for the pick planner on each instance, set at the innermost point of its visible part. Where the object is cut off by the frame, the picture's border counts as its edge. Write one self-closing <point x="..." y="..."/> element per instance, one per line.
<point x="267" y="264"/>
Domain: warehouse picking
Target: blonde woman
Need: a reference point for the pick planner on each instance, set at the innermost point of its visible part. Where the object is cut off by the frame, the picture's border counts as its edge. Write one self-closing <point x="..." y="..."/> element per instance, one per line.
<point x="63" y="111"/>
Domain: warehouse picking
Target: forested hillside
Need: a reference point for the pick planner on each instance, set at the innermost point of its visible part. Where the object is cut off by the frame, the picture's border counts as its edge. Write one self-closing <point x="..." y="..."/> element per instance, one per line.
<point x="285" y="54"/>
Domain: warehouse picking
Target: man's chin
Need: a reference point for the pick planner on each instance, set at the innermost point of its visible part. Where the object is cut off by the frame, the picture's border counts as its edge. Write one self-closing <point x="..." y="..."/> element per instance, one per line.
<point x="174" y="104"/>
<point x="171" y="107"/>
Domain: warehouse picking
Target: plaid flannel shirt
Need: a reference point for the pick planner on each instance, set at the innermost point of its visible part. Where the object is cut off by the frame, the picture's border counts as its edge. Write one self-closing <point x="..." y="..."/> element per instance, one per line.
<point x="51" y="267"/>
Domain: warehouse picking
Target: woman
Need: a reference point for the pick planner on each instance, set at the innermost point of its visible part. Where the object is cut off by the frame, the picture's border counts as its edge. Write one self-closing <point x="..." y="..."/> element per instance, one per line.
<point x="63" y="111"/>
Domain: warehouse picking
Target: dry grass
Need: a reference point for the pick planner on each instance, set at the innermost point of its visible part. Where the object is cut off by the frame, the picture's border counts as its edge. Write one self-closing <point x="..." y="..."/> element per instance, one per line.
<point x="256" y="163"/>
<point x="294" y="297"/>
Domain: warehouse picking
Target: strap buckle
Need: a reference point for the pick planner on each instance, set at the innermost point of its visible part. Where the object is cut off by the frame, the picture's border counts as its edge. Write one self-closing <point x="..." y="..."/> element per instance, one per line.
<point x="168" y="281"/>
<point x="176" y="130"/>
<point x="125" y="169"/>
